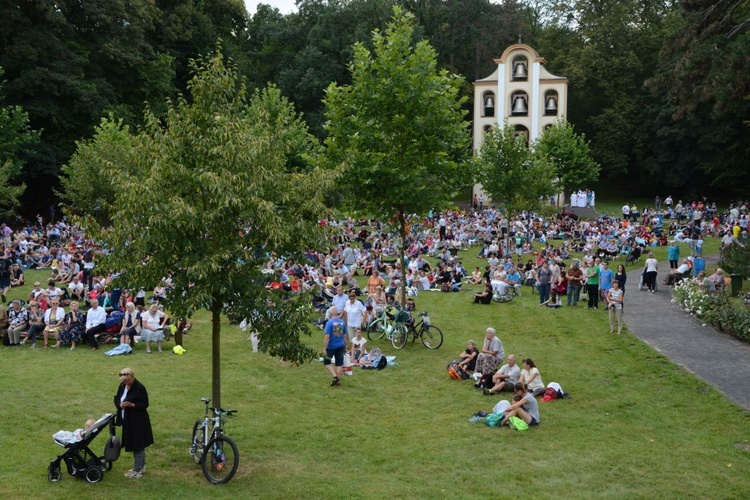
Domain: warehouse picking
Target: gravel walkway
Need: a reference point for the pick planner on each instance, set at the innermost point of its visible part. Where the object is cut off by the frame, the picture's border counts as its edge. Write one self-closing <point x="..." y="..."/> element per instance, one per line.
<point x="715" y="357"/>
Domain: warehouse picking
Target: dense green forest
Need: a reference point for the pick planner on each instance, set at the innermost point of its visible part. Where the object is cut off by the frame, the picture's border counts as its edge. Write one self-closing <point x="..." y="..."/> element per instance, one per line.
<point x="659" y="87"/>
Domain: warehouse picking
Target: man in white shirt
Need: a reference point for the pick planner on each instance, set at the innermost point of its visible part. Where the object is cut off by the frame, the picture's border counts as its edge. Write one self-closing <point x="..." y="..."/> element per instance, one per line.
<point x="626" y="211"/>
<point x="75" y="289"/>
<point x="681" y="272"/>
<point x="339" y="300"/>
<point x="95" y="319"/>
<point x="36" y="293"/>
<point x="53" y="292"/>
<point x="505" y="378"/>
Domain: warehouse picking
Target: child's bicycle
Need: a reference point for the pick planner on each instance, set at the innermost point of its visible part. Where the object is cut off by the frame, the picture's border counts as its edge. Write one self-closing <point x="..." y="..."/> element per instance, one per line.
<point x="431" y="336"/>
<point x="219" y="457"/>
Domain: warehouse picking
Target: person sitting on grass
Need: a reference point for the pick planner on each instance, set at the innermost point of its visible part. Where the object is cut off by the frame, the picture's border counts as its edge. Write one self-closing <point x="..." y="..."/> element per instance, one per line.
<point x="16" y="275"/>
<point x="553" y="301"/>
<point x="476" y="277"/>
<point x="76" y="289"/>
<point x="469" y="357"/>
<point x="526" y="408"/>
<point x="371" y="359"/>
<point x="531" y="378"/>
<point x="505" y="378"/>
<point x="484" y="297"/>
<point x="359" y="344"/>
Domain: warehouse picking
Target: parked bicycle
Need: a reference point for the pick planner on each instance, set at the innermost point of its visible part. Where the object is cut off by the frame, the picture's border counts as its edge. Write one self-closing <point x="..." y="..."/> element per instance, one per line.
<point x="430" y="335"/>
<point x="211" y="448"/>
<point x="387" y="326"/>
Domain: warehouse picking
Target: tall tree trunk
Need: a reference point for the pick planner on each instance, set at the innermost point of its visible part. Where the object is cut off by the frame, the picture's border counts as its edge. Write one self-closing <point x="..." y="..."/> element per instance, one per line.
<point x="178" y="334"/>
<point x="216" y="351"/>
<point x="402" y="252"/>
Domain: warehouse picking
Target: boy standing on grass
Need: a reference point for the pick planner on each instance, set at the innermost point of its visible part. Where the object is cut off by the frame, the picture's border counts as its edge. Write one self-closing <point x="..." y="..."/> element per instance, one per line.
<point x="334" y="345"/>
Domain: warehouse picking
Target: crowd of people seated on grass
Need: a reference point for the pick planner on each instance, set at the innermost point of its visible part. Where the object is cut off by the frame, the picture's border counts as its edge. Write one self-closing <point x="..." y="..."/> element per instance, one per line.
<point x="363" y="246"/>
<point x="96" y="312"/>
<point x="369" y="249"/>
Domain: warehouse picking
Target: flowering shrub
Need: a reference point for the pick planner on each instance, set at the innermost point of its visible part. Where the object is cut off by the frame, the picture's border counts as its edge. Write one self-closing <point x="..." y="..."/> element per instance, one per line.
<point x="715" y="309"/>
<point x="693" y="297"/>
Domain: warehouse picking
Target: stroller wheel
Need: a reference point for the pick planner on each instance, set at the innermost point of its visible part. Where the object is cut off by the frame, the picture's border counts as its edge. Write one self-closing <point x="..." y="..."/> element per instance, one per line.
<point x="93" y="474"/>
<point x="54" y="474"/>
<point x="106" y="465"/>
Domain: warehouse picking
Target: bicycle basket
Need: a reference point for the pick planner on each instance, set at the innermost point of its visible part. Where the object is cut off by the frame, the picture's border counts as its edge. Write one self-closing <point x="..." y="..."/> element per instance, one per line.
<point x="426" y="320"/>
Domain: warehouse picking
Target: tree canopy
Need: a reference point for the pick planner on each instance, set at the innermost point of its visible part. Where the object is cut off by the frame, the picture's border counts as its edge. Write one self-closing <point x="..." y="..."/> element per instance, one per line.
<point x="205" y="196"/>
<point x="16" y="136"/>
<point x="511" y="173"/>
<point x="569" y="155"/>
<point x="659" y="88"/>
<point x="398" y="131"/>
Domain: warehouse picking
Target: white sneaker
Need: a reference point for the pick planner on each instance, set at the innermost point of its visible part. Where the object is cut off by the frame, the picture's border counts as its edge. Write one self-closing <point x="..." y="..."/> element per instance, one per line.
<point x="476" y="376"/>
<point x="132" y="473"/>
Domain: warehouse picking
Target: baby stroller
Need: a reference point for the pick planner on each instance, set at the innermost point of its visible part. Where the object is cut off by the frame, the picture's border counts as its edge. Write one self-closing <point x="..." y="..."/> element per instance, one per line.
<point x="78" y="457"/>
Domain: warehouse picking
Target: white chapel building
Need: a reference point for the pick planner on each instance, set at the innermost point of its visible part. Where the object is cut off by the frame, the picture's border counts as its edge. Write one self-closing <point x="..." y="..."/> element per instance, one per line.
<point x="522" y="91"/>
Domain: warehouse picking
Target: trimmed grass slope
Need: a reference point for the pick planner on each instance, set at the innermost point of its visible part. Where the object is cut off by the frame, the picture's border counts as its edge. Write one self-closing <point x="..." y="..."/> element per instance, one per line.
<point x="636" y="424"/>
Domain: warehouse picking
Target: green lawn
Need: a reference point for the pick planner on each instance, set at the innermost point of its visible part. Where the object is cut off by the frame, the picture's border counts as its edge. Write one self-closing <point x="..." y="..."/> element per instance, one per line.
<point x="636" y="424"/>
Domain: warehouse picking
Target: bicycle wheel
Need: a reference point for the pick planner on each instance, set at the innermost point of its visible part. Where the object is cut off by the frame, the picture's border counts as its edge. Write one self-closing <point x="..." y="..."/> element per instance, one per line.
<point x="220" y="460"/>
<point x="432" y="337"/>
<point x="197" y="445"/>
<point x="400" y="336"/>
<point x="375" y="330"/>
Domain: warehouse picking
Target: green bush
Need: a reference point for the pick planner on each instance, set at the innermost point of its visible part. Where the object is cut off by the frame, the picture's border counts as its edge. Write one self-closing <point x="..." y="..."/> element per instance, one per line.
<point x="716" y="309"/>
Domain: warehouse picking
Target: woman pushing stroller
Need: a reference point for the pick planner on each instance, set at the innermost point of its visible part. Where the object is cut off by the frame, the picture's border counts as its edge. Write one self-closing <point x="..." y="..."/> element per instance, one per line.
<point x="131" y="402"/>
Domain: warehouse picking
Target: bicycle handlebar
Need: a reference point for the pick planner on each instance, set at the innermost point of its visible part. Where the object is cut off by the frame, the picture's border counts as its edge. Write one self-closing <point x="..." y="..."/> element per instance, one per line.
<point x="219" y="411"/>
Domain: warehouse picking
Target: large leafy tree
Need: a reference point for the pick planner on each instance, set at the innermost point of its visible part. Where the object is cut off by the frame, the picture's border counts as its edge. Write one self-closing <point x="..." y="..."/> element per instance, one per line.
<point x="87" y="185"/>
<point x="700" y="106"/>
<point x="607" y="49"/>
<point x="467" y="34"/>
<point x="510" y="173"/>
<point x="398" y="131"/>
<point x="736" y="259"/>
<point x="69" y="62"/>
<point x="16" y="136"/>
<point x="206" y="194"/>
<point x="569" y="154"/>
